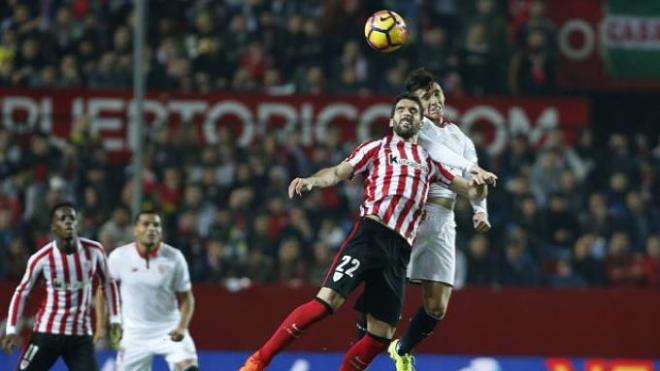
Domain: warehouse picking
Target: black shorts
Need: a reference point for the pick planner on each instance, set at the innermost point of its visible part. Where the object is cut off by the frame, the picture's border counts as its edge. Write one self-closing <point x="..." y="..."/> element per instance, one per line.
<point x="377" y="256"/>
<point x="44" y="349"/>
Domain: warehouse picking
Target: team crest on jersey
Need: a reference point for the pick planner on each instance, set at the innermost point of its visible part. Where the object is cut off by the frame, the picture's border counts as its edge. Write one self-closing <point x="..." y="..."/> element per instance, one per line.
<point x="162" y="269"/>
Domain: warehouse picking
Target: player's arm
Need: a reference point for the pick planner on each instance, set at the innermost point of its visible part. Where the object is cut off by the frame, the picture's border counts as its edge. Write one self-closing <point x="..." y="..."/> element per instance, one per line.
<point x="439" y="152"/>
<point x="183" y="289"/>
<point x="17" y="303"/>
<point x="326" y="177"/>
<point x="357" y="162"/>
<point x="469" y="188"/>
<point x="187" y="308"/>
<point x="100" y="330"/>
<point x="110" y="298"/>
<point x="480" y="220"/>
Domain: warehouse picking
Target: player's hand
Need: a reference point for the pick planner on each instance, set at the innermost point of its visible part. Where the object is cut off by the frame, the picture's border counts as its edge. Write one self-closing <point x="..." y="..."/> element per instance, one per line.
<point x="482" y="176"/>
<point x="298" y="186"/>
<point x="116" y="333"/>
<point x="480" y="222"/>
<point x="177" y="334"/>
<point x="7" y="343"/>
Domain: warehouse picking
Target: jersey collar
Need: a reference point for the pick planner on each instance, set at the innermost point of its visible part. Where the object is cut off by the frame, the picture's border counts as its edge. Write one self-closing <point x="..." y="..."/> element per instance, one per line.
<point x="151" y="254"/>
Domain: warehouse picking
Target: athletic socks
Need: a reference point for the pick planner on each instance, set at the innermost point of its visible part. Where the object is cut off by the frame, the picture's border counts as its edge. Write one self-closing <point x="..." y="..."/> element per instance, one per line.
<point x="358" y="357"/>
<point x="361" y="325"/>
<point x="420" y="327"/>
<point x="293" y="326"/>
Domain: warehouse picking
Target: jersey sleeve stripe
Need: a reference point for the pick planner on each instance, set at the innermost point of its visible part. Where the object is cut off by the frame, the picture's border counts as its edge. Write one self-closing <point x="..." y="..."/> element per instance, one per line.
<point x="67" y="293"/>
<point x="24" y="288"/>
<point x="53" y="303"/>
<point x="79" y="297"/>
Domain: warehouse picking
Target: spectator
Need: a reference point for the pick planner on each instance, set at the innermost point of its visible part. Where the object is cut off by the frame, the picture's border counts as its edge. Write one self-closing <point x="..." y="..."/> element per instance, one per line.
<point x="478" y="63"/>
<point x="480" y="264"/>
<point x="118" y="230"/>
<point x="516" y="266"/>
<point x="651" y="263"/>
<point x="532" y="68"/>
<point x="621" y="265"/>
<point x="585" y="264"/>
<point x="564" y="276"/>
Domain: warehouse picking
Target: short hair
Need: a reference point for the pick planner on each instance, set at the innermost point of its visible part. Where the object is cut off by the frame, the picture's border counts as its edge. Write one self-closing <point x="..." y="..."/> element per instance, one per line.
<point x="145" y="212"/>
<point x="61" y="205"/>
<point x="408" y="96"/>
<point x="420" y="78"/>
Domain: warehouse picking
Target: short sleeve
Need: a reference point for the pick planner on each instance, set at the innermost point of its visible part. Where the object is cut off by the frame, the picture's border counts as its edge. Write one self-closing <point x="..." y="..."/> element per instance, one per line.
<point x="363" y="155"/>
<point x="441" y="173"/>
<point x="114" y="265"/>
<point x="182" y="276"/>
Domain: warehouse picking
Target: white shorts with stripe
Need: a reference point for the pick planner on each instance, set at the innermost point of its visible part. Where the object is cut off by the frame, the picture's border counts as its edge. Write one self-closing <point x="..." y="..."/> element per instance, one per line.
<point x="433" y="256"/>
<point x="136" y="352"/>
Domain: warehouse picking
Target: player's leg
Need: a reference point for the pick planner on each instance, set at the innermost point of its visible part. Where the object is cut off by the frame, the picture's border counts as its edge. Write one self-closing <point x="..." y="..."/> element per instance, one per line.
<point x="342" y="277"/>
<point x="422" y="324"/>
<point x="180" y="355"/>
<point x="41" y="352"/>
<point x="79" y="353"/>
<point x="382" y="300"/>
<point x="135" y="354"/>
<point x="433" y="264"/>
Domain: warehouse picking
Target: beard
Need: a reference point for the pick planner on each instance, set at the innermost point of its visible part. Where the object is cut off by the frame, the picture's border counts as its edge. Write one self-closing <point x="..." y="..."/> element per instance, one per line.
<point x="405" y="132"/>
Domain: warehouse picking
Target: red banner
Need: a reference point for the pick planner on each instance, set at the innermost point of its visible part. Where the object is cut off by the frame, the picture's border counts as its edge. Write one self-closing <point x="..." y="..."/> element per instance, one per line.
<point x="580" y="35"/>
<point x="597" y="322"/>
<point x="54" y="111"/>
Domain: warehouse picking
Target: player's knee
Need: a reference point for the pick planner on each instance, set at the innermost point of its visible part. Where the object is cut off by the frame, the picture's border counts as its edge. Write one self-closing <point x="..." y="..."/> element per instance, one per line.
<point x="436" y="308"/>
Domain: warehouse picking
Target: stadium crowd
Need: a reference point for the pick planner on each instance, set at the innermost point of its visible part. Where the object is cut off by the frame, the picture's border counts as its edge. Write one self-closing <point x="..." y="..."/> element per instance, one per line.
<point x="562" y="215"/>
<point x="278" y="46"/>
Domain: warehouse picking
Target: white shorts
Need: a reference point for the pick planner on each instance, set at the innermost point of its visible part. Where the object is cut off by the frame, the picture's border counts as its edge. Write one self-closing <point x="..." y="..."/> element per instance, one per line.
<point x="433" y="256"/>
<point x="136" y="353"/>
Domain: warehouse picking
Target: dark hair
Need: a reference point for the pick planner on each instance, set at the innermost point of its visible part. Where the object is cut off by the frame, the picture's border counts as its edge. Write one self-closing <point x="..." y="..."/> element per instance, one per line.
<point x="408" y="96"/>
<point x="61" y="205"/>
<point x="144" y="212"/>
<point x="420" y="78"/>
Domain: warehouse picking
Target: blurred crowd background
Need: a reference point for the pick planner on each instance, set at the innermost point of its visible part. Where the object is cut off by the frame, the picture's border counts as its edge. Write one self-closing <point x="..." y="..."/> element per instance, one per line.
<point x="562" y="215"/>
<point x="279" y="47"/>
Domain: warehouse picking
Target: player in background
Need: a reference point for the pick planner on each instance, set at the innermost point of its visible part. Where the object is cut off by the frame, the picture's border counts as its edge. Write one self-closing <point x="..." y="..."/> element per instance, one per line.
<point x="67" y="265"/>
<point x="152" y="276"/>
<point x="433" y="260"/>
<point x="397" y="173"/>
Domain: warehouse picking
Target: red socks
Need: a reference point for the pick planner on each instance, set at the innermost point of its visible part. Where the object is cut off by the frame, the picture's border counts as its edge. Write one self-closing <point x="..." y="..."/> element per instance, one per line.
<point x="293" y="326"/>
<point x="359" y="356"/>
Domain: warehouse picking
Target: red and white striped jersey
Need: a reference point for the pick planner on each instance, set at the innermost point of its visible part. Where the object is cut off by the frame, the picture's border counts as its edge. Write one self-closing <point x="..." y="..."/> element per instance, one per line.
<point x="396" y="175"/>
<point x="69" y="280"/>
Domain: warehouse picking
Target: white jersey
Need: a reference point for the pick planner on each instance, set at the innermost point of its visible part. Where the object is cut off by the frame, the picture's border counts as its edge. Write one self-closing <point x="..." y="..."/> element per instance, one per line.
<point x="148" y="287"/>
<point x="450" y="146"/>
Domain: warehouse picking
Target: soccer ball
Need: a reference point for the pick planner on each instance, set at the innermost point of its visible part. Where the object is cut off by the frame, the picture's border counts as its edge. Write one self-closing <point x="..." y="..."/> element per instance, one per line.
<point x="385" y="31"/>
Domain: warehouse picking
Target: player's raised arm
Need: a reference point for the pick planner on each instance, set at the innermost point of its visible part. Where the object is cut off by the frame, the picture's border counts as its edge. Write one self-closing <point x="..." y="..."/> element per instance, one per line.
<point x="357" y="162"/>
<point x="326" y="177"/>
<point x="21" y="293"/>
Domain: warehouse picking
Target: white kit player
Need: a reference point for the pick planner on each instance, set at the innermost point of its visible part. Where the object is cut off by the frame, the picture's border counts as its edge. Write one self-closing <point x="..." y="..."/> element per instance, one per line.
<point x="433" y="259"/>
<point x="152" y="276"/>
